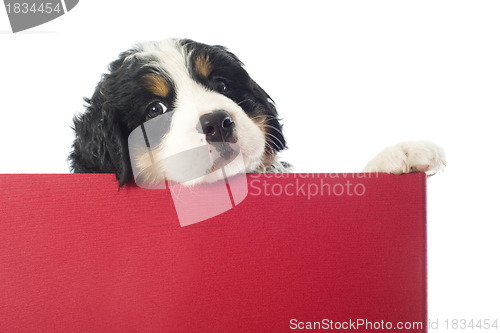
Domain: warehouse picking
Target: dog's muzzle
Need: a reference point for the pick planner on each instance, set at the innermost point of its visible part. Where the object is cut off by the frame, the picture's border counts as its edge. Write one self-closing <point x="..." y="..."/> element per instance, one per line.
<point x="219" y="149"/>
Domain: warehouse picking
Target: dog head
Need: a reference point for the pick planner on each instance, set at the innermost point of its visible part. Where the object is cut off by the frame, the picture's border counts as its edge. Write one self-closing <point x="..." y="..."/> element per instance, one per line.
<point x="208" y="96"/>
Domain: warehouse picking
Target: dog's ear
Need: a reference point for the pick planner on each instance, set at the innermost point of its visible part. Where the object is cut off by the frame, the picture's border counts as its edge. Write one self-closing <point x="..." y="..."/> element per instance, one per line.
<point x="274" y="129"/>
<point x="100" y="145"/>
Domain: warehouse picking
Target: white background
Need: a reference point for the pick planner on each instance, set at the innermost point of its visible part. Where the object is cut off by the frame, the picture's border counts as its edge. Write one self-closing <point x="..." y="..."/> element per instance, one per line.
<point x="349" y="78"/>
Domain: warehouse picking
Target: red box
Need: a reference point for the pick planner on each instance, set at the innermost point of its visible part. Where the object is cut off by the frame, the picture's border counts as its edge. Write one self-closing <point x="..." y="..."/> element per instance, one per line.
<point x="331" y="250"/>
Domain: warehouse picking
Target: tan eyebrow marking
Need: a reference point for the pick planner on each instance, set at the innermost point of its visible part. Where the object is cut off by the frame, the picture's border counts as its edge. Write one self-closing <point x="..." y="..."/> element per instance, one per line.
<point x="202" y="65"/>
<point x="156" y="85"/>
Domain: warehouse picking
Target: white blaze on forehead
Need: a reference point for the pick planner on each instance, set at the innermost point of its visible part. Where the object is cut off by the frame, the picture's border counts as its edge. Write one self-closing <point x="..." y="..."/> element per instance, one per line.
<point x="172" y="58"/>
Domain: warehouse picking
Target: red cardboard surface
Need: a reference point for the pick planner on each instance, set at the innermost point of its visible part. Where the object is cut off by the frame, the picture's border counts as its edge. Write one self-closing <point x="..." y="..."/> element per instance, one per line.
<point x="79" y="255"/>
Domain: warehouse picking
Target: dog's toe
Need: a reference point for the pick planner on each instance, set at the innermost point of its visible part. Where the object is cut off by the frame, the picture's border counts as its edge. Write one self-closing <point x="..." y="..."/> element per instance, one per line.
<point x="405" y="157"/>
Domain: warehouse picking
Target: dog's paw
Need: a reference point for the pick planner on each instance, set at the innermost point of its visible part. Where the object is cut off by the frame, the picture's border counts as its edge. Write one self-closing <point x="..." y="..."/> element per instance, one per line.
<point x="405" y="157"/>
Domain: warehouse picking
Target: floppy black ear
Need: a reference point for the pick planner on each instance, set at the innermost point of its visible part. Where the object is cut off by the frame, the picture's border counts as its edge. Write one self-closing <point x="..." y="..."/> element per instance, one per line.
<point x="274" y="129"/>
<point x="100" y="145"/>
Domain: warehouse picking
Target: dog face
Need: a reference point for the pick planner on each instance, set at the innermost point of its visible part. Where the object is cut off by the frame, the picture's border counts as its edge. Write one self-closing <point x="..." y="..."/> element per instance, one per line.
<point x="208" y="96"/>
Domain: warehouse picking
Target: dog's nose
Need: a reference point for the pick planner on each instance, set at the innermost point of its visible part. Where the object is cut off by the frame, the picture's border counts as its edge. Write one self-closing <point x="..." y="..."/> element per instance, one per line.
<point x="218" y="126"/>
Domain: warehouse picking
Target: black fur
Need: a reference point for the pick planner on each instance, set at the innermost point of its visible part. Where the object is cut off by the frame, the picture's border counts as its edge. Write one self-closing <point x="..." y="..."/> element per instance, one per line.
<point x="119" y="104"/>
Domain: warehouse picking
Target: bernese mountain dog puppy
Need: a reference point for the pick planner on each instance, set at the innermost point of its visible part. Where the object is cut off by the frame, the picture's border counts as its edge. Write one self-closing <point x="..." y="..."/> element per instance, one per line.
<point x="204" y="98"/>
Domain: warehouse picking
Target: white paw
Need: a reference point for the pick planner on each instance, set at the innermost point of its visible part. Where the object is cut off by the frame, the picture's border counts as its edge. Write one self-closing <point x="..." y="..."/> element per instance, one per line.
<point x="405" y="157"/>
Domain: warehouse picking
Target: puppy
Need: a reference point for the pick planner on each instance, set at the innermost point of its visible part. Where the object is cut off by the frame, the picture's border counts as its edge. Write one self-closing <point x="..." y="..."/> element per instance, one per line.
<point x="205" y="98"/>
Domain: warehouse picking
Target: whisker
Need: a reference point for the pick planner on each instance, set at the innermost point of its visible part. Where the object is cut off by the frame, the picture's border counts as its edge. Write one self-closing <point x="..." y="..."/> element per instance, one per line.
<point x="243" y="101"/>
<point x="277" y="139"/>
<point x="274" y="128"/>
<point x="266" y="117"/>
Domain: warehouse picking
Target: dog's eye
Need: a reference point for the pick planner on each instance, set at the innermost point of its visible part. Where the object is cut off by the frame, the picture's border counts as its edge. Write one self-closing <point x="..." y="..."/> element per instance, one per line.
<point x="221" y="86"/>
<point x="156" y="109"/>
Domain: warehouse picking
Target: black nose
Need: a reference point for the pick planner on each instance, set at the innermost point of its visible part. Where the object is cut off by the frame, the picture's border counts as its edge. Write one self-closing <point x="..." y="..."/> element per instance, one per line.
<point x="218" y="126"/>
